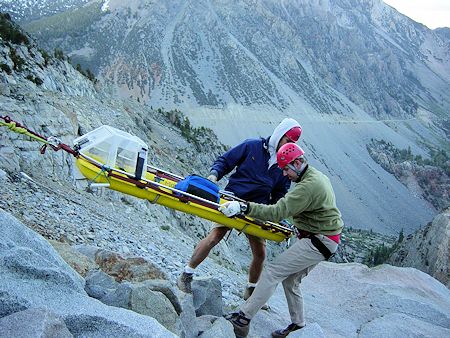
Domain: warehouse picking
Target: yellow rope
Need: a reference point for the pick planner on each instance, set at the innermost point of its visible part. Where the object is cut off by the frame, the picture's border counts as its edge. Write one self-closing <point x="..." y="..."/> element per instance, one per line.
<point x="13" y="127"/>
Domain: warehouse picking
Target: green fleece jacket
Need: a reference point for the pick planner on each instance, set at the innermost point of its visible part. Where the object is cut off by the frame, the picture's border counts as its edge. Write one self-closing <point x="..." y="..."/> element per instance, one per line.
<point x="311" y="203"/>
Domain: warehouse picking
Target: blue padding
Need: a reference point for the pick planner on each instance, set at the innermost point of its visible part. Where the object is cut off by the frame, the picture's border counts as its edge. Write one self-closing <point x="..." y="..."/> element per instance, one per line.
<point x="199" y="186"/>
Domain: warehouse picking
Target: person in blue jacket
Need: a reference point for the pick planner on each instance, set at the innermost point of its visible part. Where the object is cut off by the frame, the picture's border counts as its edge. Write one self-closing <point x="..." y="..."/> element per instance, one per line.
<point x="257" y="179"/>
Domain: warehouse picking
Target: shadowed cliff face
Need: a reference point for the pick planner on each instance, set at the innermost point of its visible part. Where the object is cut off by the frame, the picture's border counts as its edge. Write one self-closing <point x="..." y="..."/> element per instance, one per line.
<point x="427" y="249"/>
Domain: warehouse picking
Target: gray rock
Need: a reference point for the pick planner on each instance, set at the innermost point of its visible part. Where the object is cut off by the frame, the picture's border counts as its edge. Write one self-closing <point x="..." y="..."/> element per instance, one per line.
<point x="312" y="330"/>
<point x="166" y="288"/>
<point x="99" y="284"/>
<point x="120" y="297"/>
<point x="141" y="298"/>
<point x="88" y="250"/>
<point x="188" y="325"/>
<point x="33" y="323"/>
<point x="3" y="175"/>
<point x="395" y="325"/>
<point x="135" y="269"/>
<point x="33" y="272"/>
<point x="4" y="89"/>
<point x="11" y="303"/>
<point x="151" y="303"/>
<point x="215" y="327"/>
<point x="31" y="256"/>
<point x="9" y="159"/>
<point x="79" y="262"/>
<point x="207" y="294"/>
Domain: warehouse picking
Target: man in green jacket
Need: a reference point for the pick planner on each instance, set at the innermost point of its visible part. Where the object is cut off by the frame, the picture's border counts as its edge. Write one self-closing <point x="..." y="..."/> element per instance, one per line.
<point x="312" y="205"/>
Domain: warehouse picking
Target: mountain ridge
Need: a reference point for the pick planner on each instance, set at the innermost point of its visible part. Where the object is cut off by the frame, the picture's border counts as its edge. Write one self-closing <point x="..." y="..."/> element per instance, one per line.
<point x="245" y="39"/>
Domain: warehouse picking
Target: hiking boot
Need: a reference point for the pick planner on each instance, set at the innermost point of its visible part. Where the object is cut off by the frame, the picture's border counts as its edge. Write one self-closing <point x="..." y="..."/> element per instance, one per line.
<point x="284" y="332"/>
<point x="184" y="282"/>
<point x="248" y="292"/>
<point x="241" y="324"/>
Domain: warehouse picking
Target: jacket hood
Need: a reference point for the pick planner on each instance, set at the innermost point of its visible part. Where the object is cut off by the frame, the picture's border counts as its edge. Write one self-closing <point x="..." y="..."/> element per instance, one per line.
<point x="276" y="136"/>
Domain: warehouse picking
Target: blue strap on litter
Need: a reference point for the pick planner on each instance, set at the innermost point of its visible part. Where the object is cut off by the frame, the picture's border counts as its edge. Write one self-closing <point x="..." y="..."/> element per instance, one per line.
<point x="199" y="186"/>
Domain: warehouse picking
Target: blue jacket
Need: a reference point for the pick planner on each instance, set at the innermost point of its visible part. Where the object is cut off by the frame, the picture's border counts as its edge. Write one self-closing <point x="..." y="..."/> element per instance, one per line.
<point x="252" y="180"/>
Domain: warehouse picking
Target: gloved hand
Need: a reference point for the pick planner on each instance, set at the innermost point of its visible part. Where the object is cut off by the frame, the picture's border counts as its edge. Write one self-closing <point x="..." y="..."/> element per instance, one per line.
<point x="212" y="178"/>
<point x="230" y="209"/>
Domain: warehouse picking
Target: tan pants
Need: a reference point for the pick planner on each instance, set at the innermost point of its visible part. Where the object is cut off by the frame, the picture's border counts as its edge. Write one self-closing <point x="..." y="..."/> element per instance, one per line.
<point x="289" y="268"/>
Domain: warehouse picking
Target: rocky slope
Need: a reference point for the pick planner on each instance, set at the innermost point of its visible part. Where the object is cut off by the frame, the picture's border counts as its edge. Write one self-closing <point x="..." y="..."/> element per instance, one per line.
<point x="444" y="32"/>
<point x="427" y="178"/>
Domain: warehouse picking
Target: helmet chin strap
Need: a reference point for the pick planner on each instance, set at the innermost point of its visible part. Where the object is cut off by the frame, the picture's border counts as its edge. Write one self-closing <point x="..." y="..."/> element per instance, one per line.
<point x="297" y="171"/>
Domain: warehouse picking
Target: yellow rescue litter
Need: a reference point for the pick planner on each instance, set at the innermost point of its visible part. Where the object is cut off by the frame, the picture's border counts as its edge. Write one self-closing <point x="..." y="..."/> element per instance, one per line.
<point x="117" y="160"/>
<point x="114" y="159"/>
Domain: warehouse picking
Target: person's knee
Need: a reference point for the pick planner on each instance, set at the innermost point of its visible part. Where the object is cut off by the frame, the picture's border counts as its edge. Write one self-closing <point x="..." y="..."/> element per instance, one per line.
<point x="289" y="283"/>
<point x="258" y="258"/>
<point x="259" y="252"/>
<point x="215" y="236"/>
<point x="272" y="272"/>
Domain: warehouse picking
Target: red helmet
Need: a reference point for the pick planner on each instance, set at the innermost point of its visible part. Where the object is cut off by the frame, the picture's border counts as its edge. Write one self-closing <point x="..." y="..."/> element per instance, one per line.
<point x="287" y="153"/>
<point x="294" y="133"/>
